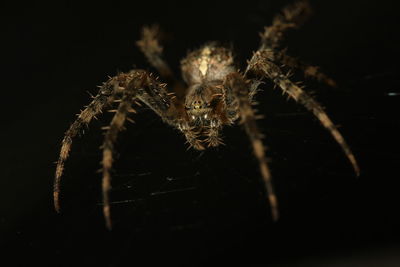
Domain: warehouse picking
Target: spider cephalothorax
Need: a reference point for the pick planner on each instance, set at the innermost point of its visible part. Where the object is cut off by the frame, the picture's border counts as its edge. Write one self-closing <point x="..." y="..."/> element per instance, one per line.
<point x="215" y="94"/>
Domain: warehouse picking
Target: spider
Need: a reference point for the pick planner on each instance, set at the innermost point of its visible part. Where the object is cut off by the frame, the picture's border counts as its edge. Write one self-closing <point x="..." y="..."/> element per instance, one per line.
<point x="214" y="94"/>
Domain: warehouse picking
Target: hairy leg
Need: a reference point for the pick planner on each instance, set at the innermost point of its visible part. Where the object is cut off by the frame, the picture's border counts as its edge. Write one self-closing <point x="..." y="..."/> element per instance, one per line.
<point x="213" y="136"/>
<point x="239" y="87"/>
<point x="150" y="46"/>
<point x="262" y="63"/>
<point x="292" y="16"/>
<point x="110" y="137"/>
<point x="138" y="86"/>
<point x="217" y="119"/>
<point x="106" y="95"/>
<point x="309" y="70"/>
<point x="192" y="135"/>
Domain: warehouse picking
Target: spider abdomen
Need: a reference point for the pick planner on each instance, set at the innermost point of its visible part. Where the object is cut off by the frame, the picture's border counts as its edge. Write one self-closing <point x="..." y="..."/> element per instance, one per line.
<point x="207" y="64"/>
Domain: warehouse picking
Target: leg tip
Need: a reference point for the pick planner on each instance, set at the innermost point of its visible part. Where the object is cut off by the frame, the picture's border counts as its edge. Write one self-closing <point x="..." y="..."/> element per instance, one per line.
<point x="275" y="215"/>
<point x="108" y="225"/>
<point x="107" y="217"/>
<point x="56" y="202"/>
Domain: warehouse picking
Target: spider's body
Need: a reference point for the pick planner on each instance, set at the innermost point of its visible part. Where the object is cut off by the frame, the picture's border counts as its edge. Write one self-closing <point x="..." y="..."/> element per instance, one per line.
<point x="215" y="94"/>
<point x="204" y="71"/>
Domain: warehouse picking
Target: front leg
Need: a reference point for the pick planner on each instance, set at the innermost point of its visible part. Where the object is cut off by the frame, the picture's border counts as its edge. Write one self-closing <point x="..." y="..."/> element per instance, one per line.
<point x="191" y="135"/>
<point x="139" y="86"/>
<point x="213" y="133"/>
<point x="240" y="88"/>
<point x="107" y="94"/>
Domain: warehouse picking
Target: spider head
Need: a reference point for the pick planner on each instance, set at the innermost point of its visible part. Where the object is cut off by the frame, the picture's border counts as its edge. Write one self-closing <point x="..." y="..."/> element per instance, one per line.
<point x="201" y="103"/>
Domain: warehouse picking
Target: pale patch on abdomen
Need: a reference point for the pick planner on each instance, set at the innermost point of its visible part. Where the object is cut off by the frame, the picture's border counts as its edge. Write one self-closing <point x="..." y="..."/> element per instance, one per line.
<point x="208" y="63"/>
<point x="204" y="60"/>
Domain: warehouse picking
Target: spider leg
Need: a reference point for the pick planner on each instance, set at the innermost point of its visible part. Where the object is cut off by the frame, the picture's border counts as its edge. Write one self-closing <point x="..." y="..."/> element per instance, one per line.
<point x="140" y="86"/>
<point x="191" y="135"/>
<point x="262" y="63"/>
<point x="213" y="137"/>
<point x="218" y="118"/>
<point x="106" y="95"/>
<point x="309" y="70"/>
<point x="292" y="16"/>
<point x="151" y="48"/>
<point x="110" y="137"/>
<point x="239" y="87"/>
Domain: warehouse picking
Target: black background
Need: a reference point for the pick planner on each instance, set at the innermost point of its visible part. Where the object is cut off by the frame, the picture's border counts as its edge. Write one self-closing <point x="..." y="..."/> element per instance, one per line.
<point x="173" y="205"/>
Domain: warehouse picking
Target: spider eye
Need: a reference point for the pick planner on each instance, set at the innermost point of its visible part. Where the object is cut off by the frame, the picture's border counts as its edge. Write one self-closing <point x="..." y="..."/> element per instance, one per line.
<point x="205" y="116"/>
